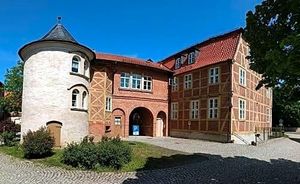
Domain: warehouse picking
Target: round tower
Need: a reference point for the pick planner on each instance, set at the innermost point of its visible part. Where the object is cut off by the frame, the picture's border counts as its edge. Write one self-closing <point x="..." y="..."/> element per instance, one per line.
<point x="56" y="85"/>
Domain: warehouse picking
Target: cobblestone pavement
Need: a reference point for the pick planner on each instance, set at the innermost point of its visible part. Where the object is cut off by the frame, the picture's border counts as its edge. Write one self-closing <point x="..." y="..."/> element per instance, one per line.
<point x="274" y="162"/>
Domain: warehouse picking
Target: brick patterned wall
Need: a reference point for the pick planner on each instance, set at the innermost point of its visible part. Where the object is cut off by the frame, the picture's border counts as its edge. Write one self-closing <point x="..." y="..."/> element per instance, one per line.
<point x="202" y="91"/>
<point x="257" y="102"/>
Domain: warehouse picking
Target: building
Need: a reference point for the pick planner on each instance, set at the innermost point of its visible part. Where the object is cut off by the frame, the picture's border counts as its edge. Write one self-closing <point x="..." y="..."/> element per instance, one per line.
<point x="206" y="91"/>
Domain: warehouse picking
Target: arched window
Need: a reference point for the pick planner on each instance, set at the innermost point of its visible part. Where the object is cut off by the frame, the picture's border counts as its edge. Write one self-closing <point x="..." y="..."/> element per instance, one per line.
<point x="84" y="100"/>
<point x="86" y="69"/>
<point x="75" y="99"/>
<point x="75" y="64"/>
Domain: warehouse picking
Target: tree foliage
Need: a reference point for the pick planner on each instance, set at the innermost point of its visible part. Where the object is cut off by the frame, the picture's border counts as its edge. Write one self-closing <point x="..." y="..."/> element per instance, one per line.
<point x="286" y="107"/>
<point x="13" y="86"/>
<point x="273" y="33"/>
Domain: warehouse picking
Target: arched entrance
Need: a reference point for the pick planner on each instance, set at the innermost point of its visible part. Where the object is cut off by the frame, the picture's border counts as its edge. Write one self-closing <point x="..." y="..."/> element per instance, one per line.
<point x="161" y="124"/>
<point x="142" y="118"/>
<point x="55" y="130"/>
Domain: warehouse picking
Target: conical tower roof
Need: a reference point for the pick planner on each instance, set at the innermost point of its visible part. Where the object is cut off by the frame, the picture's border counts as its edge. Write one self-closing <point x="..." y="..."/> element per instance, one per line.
<point x="59" y="32"/>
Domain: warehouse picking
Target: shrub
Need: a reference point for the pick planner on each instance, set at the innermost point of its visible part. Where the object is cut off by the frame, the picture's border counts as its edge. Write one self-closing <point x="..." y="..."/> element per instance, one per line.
<point x="114" y="153"/>
<point x="8" y="138"/>
<point x="9" y="126"/>
<point x="110" y="152"/>
<point x="37" y="144"/>
<point x="81" y="155"/>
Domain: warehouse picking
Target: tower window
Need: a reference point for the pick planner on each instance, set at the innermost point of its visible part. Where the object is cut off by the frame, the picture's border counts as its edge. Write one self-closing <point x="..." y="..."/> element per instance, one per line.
<point x="75" y="64"/>
<point x="84" y="100"/>
<point x="75" y="99"/>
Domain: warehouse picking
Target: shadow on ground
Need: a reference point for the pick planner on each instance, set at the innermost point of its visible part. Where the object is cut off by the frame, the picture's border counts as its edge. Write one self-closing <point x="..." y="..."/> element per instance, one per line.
<point x="296" y="140"/>
<point x="217" y="169"/>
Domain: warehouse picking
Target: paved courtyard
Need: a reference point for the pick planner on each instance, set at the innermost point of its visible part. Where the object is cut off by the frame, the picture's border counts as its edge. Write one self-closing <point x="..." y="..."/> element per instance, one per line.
<point x="277" y="161"/>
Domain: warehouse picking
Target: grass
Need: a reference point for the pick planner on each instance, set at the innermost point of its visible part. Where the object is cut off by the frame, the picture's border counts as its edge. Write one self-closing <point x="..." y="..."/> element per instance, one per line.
<point x="145" y="157"/>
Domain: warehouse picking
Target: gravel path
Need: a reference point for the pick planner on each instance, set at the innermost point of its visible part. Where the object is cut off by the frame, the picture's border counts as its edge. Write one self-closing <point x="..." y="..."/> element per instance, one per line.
<point x="274" y="162"/>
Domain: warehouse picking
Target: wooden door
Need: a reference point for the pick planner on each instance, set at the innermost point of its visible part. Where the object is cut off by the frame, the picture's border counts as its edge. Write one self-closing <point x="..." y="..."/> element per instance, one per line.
<point x="55" y="131"/>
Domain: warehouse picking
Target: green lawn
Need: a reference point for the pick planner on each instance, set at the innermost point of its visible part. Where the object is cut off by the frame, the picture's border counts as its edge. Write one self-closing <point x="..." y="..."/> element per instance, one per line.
<point x="145" y="157"/>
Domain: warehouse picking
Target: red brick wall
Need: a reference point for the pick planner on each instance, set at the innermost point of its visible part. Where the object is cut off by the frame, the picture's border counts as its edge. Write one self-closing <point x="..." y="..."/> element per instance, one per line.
<point x="124" y="101"/>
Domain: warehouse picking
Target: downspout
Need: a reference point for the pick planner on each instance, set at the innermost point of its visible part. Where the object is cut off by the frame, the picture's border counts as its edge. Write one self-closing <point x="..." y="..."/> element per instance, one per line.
<point x="230" y="94"/>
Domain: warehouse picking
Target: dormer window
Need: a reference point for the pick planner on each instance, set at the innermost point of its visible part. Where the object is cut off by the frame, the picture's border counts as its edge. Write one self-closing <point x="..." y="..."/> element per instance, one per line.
<point x="75" y="64"/>
<point x="191" y="58"/>
<point x="177" y="63"/>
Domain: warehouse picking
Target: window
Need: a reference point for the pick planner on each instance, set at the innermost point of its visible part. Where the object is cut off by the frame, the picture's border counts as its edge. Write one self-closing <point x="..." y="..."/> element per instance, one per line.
<point x="213" y="108"/>
<point x="191" y="58"/>
<point x="75" y="99"/>
<point x="108" y="104"/>
<point x="125" y="78"/>
<point x="84" y="100"/>
<point x="269" y="115"/>
<point x="268" y="92"/>
<point x="136" y="81"/>
<point x="214" y="75"/>
<point x="175" y="84"/>
<point x="242" y="109"/>
<point x="86" y="67"/>
<point x="194" y="109"/>
<point x="174" y="110"/>
<point x="177" y="63"/>
<point x="242" y="77"/>
<point x="75" y="64"/>
<point x="147" y="83"/>
<point x="117" y="120"/>
<point x="188" y="81"/>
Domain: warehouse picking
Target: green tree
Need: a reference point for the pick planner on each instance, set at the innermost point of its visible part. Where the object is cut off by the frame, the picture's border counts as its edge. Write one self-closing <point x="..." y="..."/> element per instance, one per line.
<point x="13" y="85"/>
<point x="273" y="33"/>
<point x="285" y="106"/>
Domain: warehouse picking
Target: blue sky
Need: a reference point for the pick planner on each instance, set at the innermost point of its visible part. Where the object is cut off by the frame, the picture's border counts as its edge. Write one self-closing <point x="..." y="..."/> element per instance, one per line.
<point x="137" y="28"/>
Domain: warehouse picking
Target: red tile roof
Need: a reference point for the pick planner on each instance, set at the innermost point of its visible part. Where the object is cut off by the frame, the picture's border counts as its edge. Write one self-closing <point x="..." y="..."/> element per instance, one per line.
<point x="214" y="50"/>
<point x="129" y="60"/>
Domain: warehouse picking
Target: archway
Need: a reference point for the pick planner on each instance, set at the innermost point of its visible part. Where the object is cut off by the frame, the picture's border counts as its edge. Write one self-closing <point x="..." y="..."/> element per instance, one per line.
<point x="54" y="128"/>
<point x="161" y="124"/>
<point x="142" y="118"/>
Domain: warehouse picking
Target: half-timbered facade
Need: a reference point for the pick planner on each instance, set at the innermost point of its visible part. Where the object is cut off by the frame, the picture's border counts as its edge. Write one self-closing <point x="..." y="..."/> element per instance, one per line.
<point x="213" y="92"/>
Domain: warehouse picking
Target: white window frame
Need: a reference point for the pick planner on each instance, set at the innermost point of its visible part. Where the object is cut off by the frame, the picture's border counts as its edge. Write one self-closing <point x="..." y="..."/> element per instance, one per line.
<point x="125" y="79"/>
<point x="147" y="83"/>
<point x="214" y="75"/>
<point x="268" y="92"/>
<point x="108" y="104"/>
<point x="194" y="109"/>
<point x="75" y="102"/>
<point x="118" y="120"/>
<point x="269" y="114"/>
<point x="177" y="63"/>
<point x="75" y="60"/>
<point x="136" y="79"/>
<point x="242" y="76"/>
<point x="84" y="100"/>
<point x="188" y="81"/>
<point x="242" y="109"/>
<point x="213" y="108"/>
<point x="191" y="58"/>
<point x="174" y="110"/>
<point x="175" y="84"/>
